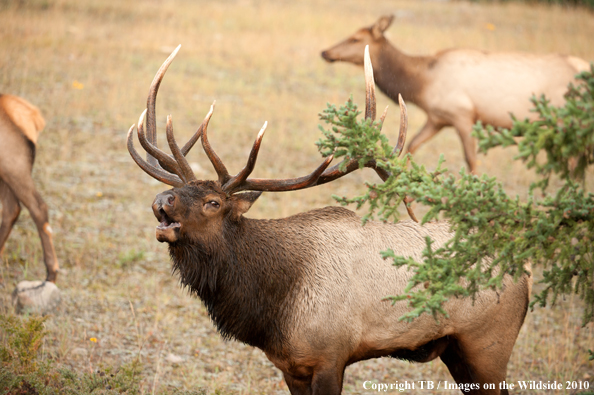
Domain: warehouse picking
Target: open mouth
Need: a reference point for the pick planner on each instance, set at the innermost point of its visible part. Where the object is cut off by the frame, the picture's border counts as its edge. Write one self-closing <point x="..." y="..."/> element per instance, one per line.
<point x="166" y="222"/>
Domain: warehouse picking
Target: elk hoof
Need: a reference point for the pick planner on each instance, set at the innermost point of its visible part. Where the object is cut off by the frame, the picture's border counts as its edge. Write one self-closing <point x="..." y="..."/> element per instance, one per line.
<point x="36" y="297"/>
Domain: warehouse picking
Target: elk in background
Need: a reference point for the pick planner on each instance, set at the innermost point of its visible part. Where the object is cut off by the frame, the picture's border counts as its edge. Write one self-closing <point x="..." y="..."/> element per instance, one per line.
<point x="309" y="289"/>
<point x="458" y="87"/>
<point x="20" y="125"/>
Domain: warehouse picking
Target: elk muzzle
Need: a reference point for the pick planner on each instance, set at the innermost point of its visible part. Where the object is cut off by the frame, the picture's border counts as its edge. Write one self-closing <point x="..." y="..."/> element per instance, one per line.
<point x="328" y="57"/>
<point x="163" y="208"/>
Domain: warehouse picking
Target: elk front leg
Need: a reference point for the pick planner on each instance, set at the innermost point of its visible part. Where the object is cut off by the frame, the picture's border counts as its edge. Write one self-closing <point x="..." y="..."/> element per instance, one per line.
<point x="328" y="381"/>
<point x="298" y="385"/>
<point x="428" y="130"/>
<point x="325" y="381"/>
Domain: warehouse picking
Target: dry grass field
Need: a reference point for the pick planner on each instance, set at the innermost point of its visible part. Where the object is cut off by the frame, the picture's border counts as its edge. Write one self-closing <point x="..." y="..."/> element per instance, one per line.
<point x="87" y="64"/>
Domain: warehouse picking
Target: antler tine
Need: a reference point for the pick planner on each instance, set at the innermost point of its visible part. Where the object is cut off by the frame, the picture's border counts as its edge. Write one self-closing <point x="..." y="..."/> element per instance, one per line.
<point x="282" y="185"/>
<point x="251" y="163"/>
<point x="334" y="172"/>
<point x="188" y="146"/>
<point x="164" y="160"/>
<point x="186" y="171"/>
<point x="403" y="127"/>
<point x="369" y="87"/>
<point x="151" y="123"/>
<point x="383" y="118"/>
<point x="159" y="174"/>
<point x="370" y="112"/>
<point x="217" y="163"/>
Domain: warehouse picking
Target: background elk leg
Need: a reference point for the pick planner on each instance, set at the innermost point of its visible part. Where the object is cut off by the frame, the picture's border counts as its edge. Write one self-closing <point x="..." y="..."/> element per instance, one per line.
<point x="10" y="212"/>
<point x="23" y="189"/>
<point x="464" y="129"/>
<point x="427" y="132"/>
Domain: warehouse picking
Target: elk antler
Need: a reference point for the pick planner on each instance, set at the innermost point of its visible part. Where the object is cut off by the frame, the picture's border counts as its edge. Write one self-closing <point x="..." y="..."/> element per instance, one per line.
<point x="352" y="164"/>
<point x="154" y="156"/>
<point x="175" y="170"/>
<point x="331" y="174"/>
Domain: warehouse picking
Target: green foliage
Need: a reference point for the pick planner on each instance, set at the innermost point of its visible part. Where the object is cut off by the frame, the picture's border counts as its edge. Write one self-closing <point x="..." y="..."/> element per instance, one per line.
<point x="108" y="380"/>
<point x="24" y="371"/>
<point x="364" y="135"/>
<point x="21" y="343"/>
<point x="494" y="234"/>
<point x="566" y="134"/>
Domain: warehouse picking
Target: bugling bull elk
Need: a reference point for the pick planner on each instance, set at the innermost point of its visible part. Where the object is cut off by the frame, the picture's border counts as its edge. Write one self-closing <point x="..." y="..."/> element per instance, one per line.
<point x="308" y="289"/>
<point x="458" y="87"/>
<point x="20" y="125"/>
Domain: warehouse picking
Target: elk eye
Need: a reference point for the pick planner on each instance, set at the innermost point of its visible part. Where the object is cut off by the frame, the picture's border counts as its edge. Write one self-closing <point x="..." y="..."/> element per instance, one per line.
<point x="214" y="203"/>
<point x="353" y="40"/>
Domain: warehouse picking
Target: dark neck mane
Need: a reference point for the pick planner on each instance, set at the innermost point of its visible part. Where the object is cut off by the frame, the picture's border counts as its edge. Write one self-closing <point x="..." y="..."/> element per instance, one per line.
<point x="244" y="279"/>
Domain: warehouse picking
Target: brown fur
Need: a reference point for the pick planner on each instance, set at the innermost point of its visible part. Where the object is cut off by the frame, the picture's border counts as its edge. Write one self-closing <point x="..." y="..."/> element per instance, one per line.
<point x="20" y="125"/>
<point x="458" y="87"/>
<point x="308" y="290"/>
<point x="24" y="115"/>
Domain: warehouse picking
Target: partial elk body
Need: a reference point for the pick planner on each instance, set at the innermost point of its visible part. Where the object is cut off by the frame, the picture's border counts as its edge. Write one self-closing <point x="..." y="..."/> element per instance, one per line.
<point x="20" y="125"/>
<point x="458" y="87"/>
<point x="309" y="289"/>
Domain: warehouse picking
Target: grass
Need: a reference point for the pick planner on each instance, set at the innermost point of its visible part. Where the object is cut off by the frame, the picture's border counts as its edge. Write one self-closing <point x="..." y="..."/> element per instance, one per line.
<point x="88" y="65"/>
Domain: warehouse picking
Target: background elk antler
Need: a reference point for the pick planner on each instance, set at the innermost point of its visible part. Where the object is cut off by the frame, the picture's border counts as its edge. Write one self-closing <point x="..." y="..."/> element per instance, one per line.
<point x="175" y="170"/>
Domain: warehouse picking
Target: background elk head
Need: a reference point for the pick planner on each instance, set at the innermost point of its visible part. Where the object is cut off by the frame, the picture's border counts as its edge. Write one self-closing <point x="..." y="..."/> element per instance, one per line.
<point x="352" y="48"/>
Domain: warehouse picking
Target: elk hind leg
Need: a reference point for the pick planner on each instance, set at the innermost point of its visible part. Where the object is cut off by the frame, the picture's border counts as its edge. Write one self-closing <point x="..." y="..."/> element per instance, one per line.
<point x="11" y="209"/>
<point x="24" y="190"/>
<point x="41" y="218"/>
<point x="482" y="361"/>
<point x="464" y="129"/>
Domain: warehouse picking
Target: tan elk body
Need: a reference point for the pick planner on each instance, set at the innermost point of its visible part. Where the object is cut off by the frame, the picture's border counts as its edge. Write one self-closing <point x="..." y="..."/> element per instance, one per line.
<point x="20" y="125"/>
<point x="458" y="87"/>
<point x="309" y="289"/>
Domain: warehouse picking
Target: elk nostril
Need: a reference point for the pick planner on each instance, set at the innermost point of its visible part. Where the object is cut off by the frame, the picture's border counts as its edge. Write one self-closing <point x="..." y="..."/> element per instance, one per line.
<point x="170" y="200"/>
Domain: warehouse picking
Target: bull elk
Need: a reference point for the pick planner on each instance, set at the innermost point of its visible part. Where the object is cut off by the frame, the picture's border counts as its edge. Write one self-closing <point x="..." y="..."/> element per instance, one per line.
<point x="309" y="289"/>
<point x="458" y="87"/>
<point x="20" y="125"/>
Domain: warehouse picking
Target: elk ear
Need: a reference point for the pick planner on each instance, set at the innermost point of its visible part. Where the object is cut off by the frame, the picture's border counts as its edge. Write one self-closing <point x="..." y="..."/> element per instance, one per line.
<point x="242" y="203"/>
<point x="381" y="26"/>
